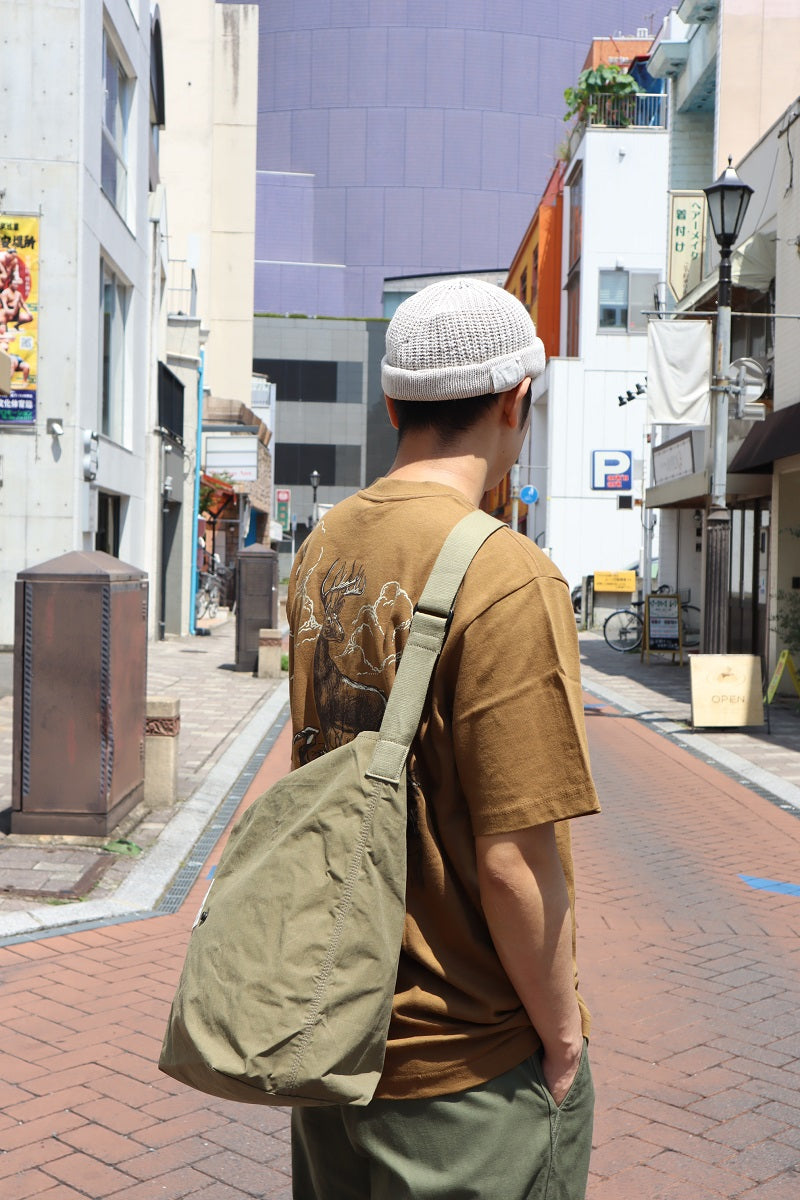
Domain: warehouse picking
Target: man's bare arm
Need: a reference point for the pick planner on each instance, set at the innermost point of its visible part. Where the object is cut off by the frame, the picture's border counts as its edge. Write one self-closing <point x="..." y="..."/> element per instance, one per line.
<point x="524" y="897"/>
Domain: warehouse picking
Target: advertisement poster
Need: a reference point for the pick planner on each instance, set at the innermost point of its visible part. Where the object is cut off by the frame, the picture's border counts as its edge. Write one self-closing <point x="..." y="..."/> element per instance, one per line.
<point x="19" y="315"/>
<point x="687" y="228"/>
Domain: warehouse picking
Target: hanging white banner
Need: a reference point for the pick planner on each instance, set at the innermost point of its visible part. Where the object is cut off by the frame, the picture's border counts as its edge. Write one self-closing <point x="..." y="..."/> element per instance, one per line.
<point x="678" y="372"/>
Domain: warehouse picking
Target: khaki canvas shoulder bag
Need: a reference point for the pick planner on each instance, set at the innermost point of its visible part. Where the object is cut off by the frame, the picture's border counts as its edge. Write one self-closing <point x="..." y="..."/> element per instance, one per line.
<point x="286" y="990"/>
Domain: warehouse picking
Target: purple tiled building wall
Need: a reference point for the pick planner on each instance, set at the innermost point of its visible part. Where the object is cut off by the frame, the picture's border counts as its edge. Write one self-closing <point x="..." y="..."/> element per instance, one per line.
<point x="407" y="137"/>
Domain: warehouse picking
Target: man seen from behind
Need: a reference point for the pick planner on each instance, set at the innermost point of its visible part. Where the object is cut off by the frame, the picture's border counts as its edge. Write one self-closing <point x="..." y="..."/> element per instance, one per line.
<point x="486" y="1091"/>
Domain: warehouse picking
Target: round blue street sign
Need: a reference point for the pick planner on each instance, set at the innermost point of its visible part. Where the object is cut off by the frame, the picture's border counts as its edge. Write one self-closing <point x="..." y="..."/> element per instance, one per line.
<point x="529" y="494"/>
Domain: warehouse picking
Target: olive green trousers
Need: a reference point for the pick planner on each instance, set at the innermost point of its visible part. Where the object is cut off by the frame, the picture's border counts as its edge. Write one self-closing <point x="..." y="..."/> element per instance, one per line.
<point x="504" y="1140"/>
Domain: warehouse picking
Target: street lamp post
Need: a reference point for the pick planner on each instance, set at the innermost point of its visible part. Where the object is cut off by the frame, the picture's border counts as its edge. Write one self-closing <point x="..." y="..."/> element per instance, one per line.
<point x="727" y="198"/>
<point x="314" y="481"/>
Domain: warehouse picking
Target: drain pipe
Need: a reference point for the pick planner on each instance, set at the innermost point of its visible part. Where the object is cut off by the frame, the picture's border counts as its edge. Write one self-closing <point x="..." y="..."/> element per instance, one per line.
<point x="198" y="453"/>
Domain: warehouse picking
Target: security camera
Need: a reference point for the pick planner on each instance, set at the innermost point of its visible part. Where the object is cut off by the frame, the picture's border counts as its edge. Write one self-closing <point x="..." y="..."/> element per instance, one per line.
<point x="55" y="428"/>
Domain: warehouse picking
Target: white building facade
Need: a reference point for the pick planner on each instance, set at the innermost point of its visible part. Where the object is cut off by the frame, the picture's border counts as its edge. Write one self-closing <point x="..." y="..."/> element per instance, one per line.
<point x="732" y="69"/>
<point x="79" y="161"/>
<point x="586" y="450"/>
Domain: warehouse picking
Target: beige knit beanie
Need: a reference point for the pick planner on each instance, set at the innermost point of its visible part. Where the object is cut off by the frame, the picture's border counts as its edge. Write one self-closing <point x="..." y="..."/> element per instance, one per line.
<point x="457" y="338"/>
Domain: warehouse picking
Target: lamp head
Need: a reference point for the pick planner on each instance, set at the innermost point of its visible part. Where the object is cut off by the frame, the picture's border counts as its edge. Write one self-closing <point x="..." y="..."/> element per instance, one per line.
<point x="728" y="198"/>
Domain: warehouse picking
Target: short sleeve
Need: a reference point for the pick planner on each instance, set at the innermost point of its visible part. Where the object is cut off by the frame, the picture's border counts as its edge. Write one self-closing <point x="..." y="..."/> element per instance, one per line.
<point x="518" y="725"/>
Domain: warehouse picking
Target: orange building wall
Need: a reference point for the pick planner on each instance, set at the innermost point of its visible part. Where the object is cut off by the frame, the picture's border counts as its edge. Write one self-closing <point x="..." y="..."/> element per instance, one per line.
<point x="543" y="234"/>
<point x="616" y="51"/>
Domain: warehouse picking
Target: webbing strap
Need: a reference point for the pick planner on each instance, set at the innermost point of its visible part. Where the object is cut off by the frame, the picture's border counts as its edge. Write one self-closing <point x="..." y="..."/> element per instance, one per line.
<point x="425" y="640"/>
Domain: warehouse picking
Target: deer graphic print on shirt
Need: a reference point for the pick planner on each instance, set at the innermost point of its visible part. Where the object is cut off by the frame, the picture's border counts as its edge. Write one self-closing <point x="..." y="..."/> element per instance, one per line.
<point x="354" y="641"/>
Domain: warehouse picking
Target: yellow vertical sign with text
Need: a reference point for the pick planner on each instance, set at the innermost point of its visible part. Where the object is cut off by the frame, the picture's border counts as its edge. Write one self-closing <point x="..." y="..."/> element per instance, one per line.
<point x="19" y="315"/>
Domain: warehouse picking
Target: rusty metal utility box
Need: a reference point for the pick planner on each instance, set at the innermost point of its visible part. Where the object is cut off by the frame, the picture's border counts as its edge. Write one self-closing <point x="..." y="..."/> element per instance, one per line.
<point x="80" y="673"/>
<point x="256" y="601"/>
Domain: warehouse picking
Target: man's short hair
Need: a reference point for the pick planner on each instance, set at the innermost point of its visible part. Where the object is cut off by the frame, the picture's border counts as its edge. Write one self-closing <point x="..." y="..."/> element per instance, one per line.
<point x="449" y="418"/>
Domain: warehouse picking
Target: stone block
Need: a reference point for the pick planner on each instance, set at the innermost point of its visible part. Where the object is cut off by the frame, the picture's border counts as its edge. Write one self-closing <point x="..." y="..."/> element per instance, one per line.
<point x="270" y="650"/>
<point x="162" y="729"/>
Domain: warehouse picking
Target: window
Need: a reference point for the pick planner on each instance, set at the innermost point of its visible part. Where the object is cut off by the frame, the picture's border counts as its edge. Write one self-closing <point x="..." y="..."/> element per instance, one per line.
<point x="109" y="524"/>
<point x="117" y="89"/>
<point x="114" y="305"/>
<point x="574" y="315"/>
<point x="575" y="218"/>
<point x="313" y="381"/>
<point x="623" y="299"/>
<point x="338" y="466"/>
<point x="523" y="286"/>
<point x="535" y="275"/>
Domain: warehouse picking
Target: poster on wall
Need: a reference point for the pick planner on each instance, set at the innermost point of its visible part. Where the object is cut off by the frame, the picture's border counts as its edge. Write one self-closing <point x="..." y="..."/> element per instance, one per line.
<point x="687" y="231"/>
<point x="19" y="315"/>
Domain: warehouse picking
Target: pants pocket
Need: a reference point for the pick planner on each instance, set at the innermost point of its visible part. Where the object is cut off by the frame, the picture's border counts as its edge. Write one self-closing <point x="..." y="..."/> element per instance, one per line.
<point x="571" y="1127"/>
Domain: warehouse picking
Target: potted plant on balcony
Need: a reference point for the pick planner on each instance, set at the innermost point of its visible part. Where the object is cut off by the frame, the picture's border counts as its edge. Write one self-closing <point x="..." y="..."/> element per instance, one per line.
<point x="599" y="96"/>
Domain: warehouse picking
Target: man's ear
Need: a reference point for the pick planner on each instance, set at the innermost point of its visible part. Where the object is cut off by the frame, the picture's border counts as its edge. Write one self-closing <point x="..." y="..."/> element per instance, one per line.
<point x="392" y="411"/>
<point x="512" y="401"/>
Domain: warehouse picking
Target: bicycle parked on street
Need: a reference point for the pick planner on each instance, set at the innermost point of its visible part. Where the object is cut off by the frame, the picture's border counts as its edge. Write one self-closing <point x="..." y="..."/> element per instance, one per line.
<point x="210" y="587"/>
<point x="624" y="629"/>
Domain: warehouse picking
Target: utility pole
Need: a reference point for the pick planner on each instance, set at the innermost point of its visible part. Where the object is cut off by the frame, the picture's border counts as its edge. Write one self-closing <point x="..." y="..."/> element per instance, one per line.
<point x="728" y="198"/>
<point x="515" y="496"/>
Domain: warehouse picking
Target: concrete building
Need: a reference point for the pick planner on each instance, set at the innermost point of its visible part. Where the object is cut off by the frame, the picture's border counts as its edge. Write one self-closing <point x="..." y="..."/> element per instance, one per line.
<point x="765" y="551"/>
<point x="586" y="450"/>
<point x="79" y="176"/>
<point x="330" y="413"/>
<point x="403" y="138"/>
<point x="732" y="70"/>
<point x="208" y="157"/>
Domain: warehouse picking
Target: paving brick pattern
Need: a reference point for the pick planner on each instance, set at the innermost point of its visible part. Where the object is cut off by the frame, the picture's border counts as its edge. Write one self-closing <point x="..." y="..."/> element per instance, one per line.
<point x="84" y="1112"/>
<point x="691" y="975"/>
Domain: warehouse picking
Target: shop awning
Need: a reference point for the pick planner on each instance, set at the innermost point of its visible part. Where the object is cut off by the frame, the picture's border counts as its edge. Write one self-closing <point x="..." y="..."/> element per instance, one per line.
<point x="777" y="436"/>
<point x="220" y="494"/>
<point x="752" y="266"/>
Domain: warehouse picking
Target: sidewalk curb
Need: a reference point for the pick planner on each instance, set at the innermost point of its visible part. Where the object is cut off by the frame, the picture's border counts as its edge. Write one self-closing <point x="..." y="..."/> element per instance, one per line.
<point x="141" y="891"/>
<point x="702" y="747"/>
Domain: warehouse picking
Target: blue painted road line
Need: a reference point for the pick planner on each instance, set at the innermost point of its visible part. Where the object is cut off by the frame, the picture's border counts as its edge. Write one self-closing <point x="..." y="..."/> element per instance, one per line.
<point x="771" y="885"/>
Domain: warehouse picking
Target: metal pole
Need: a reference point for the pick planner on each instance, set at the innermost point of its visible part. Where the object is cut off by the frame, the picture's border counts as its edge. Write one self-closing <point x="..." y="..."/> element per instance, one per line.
<point x="198" y="454"/>
<point x="515" y="497"/>
<point x="718" y="529"/>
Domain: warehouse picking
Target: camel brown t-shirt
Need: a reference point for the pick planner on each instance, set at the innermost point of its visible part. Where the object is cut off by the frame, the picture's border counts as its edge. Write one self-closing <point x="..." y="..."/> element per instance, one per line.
<point x="501" y="747"/>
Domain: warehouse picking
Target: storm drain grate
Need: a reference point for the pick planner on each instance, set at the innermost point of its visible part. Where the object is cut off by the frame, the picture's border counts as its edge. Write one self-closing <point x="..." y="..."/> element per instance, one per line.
<point x="184" y="881"/>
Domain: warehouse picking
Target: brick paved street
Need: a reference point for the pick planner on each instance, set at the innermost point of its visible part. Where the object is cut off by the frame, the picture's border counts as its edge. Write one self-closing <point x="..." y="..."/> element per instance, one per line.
<point x="691" y="972"/>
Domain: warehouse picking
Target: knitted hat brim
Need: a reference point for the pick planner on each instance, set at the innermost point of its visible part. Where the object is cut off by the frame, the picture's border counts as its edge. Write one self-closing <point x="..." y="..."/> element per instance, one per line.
<point x="464" y="380"/>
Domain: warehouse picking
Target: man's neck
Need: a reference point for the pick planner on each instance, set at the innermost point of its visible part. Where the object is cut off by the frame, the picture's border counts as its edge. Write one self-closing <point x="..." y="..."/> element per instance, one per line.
<point x="462" y="470"/>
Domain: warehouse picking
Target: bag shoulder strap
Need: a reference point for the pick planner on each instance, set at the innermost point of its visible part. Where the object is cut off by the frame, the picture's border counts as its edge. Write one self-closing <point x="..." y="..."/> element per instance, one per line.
<point x="425" y="640"/>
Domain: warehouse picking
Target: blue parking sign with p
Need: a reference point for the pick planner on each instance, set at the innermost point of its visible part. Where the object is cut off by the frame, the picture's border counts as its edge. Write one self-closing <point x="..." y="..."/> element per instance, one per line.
<point x="612" y="470"/>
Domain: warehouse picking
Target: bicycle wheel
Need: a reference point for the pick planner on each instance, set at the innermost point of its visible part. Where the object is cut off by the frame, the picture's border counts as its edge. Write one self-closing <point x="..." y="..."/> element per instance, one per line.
<point x="623" y="630"/>
<point x="213" y="599"/>
<point x="690" y="621"/>
<point x="200" y="603"/>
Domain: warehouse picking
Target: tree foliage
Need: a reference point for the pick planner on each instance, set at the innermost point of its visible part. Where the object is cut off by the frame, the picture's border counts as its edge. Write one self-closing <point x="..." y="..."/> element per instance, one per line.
<point x="604" y="80"/>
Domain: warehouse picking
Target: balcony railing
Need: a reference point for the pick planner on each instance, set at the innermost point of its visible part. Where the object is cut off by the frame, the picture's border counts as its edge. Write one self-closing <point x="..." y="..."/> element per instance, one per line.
<point x="641" y="110"/>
